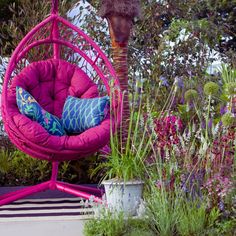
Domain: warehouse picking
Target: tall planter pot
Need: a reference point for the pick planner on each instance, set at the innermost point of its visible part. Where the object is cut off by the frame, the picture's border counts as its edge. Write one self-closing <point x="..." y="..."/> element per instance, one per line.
<point x="123" y="196"/>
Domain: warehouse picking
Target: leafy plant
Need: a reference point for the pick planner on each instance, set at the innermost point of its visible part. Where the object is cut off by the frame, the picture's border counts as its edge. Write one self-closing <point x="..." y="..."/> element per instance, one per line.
<point x="24" y="170"/>
<point x="194" y="218"/>
<point x="228" y="74"/>
<point x="225" y="227"/>
<point x="126" y="159"/>
<point x="171" y="212"/>
<point x="4" y="161"/>
<point x="115" y="224"/>
<point x="162" y="210"/>
<point x="22" y="16"/>
<point x="17" y="168"/>
<point x="107" y="224"/>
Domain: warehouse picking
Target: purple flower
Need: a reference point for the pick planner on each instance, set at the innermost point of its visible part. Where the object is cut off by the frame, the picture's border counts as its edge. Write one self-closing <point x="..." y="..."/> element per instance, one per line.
<point x="192" y="182"/>
<point x="179" y="82"/>
<point x="222" y="110"/>
<point x="203" y="124"/>
<point x="164" y="81"/>
<point x="210" y="123"/>
<point x="189" y="73"/>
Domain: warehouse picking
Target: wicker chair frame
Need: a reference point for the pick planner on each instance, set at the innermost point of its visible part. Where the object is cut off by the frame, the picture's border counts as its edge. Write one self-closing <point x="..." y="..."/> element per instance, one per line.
<point x="57" y="38"/>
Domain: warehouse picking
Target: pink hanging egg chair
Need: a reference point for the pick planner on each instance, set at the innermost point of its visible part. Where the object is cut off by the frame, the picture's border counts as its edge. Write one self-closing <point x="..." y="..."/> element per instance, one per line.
<point x="54" y="60"/>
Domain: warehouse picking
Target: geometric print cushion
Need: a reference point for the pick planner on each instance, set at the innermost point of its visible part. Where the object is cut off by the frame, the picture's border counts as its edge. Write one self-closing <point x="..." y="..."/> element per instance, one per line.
<point x="81" y="114"/>
<point x="29" y="107"/>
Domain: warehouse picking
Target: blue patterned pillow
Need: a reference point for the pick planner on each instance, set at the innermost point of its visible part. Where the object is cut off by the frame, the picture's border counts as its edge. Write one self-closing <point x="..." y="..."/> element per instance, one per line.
<point x="81" y="114"/>
<point x="29" y="107"/>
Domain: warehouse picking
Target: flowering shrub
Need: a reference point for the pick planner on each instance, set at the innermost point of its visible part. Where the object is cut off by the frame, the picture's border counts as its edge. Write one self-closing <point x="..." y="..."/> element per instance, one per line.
<point x="195" y="153"/>
<point x="223" y="151"/>
<point x="167" y="132"/>
<point x="192" y="182"/>
<point x="217" y="188"/>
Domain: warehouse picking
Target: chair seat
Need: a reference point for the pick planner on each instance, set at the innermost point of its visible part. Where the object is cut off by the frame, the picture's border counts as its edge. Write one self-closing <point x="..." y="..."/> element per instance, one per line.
<point x="50" y="82"/>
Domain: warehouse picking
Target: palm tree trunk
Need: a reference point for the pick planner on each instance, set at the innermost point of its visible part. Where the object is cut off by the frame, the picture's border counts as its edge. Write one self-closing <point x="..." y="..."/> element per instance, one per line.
<point x="120" y="15"/>
<point x="119" y="45"/>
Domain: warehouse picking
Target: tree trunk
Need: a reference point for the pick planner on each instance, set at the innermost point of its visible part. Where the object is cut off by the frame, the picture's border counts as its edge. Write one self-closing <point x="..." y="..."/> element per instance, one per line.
<point x="120" y="15"/>
<point x="119" y="43"/>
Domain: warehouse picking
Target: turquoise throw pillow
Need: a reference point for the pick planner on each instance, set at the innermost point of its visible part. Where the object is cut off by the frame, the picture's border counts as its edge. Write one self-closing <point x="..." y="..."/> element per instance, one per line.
<point x="29" y="107"/>
<point x="81" y="114"/>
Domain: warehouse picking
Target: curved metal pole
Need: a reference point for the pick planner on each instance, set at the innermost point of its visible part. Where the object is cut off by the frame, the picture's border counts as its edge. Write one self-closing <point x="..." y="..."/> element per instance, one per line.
<point x="55" y="31"/>
<point x="54" y="7"/>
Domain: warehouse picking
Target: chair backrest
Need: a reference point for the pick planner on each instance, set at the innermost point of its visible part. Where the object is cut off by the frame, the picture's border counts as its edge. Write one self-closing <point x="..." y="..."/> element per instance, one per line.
<point x="50" y="82"/>
<point x="57" y="38"/>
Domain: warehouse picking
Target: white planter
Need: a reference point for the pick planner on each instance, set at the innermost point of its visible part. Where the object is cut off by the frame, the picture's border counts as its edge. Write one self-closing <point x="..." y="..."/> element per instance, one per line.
<point x="122" y="196"/>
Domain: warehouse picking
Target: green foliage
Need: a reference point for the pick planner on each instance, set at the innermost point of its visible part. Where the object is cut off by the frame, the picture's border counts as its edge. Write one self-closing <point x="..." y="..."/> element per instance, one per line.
<point x="139" y="232"/>
<point x="4" y="161"/>
<point x="115" y="224"/>
<point x="228" y="74"/>
<point x="194" y="218"/>
<point x="225" y="227"/>
<point x="17" y="168"/>
<point x="24" y="16"/>
<point x="172" y="213"/>
<point x="162" y="210"/>
<point x="106" y="225"/>
<point x="138" y="227"/>
<point x="213" y="216"/>
<point x="231" y="88"/>
<point x="126" y="160"/>
<point x="172" y="39"/>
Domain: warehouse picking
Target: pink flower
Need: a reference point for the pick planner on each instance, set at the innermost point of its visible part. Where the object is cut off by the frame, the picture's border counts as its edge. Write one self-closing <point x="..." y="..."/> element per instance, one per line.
<point x="167" y="129"/>
<point x="218" y="187"/>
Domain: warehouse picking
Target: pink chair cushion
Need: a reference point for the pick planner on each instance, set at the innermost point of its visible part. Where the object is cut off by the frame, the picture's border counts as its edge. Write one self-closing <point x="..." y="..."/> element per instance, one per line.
<point x="50" y="82"/>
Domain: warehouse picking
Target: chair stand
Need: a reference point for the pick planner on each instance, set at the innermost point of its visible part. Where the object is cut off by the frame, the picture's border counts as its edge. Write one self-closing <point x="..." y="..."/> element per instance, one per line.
<point x="87" y="193"/>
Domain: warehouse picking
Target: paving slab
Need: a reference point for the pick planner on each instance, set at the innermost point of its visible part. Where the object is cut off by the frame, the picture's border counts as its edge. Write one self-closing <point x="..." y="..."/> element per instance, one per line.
<point x="43" y="227"/>
<point x="44" y="217"/>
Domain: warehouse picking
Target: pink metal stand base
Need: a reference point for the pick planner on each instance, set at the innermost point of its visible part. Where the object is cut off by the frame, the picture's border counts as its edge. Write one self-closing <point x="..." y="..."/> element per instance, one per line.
<point x="76" y="190"/>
